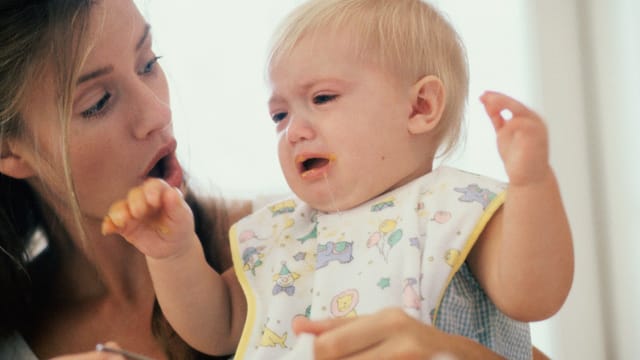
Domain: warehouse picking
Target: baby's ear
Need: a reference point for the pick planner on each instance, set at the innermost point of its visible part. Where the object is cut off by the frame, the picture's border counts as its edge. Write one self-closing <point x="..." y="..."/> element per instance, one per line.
<point x="12" y="164"/>
<point x="428" y="99"/>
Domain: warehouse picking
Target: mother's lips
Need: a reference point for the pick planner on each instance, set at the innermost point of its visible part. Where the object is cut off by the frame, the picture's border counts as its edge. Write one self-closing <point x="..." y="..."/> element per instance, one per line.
<point x="165" y="165"/>
<point x="172" y="170"/>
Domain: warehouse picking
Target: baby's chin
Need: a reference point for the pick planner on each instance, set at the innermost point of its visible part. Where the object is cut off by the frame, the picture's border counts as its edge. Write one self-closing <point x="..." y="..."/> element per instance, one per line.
<point x="337" y="198"/>
<point x="331" y="205"/>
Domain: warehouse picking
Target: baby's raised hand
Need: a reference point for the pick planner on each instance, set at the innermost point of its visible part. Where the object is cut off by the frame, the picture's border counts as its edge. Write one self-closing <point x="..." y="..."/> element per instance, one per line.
<point x="154" y="218"/>
<point x="522" y="139"/>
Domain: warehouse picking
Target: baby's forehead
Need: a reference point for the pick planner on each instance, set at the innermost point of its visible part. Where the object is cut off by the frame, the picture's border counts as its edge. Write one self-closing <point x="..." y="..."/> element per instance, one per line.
<point x="331" y="42"/>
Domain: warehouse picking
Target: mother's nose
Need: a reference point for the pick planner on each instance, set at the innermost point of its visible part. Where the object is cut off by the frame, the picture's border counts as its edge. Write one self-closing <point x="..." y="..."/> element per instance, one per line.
<point x="152" y="111"/>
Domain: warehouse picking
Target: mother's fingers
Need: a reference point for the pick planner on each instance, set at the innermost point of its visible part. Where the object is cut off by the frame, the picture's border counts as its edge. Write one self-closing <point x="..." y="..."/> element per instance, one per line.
<point x="351" y="339"/>
<point x="361" y="335"/>
<point x="302" y="324"/>
<point x="335" y="338"/>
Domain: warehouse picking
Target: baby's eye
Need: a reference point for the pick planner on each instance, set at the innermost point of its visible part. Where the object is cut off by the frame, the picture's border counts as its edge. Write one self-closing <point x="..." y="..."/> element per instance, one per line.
<point x="149" y="66"/>
<point x="323" y="98"/>
<point x="97" y="108"/>
<point x="277" y="117"/>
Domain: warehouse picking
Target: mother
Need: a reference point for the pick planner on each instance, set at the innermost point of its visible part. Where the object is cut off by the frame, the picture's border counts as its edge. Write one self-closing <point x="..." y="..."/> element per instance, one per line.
<point x="84" y="116"/>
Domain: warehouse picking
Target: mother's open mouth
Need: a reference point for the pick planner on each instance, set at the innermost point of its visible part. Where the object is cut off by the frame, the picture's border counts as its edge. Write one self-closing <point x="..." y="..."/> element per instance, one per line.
<point x="159" y="169"/>
<point x="167" y="168"/>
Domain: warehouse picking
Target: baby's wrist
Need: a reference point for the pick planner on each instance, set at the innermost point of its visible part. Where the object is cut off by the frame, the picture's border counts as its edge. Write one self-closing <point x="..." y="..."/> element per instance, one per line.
<point x="187" y="251"/>
<point x="541" y="178"/>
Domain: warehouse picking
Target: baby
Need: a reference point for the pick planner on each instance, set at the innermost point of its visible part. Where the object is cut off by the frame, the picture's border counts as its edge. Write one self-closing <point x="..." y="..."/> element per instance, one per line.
<point x="364" y="95"/>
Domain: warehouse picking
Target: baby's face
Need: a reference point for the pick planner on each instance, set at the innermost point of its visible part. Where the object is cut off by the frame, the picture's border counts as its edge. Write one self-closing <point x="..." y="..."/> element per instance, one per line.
<point x="342" y="125"/>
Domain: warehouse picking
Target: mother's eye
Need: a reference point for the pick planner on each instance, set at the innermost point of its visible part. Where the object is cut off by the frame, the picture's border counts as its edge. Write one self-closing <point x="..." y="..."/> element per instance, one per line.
<point x="150" y="65"/>
<point x="98" y="107"/>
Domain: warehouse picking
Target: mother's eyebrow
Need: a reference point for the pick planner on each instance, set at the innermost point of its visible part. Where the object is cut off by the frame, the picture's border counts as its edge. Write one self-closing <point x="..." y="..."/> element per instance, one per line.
<point x="144" y="36"/>
<point x="94" y="74"/>
<point x="107" y="69"/>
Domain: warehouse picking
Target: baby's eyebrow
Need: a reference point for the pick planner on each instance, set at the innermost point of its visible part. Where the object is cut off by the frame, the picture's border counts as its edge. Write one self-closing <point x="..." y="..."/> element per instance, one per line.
<point x="303" y="87"/>
<point x="275" y="100"/>
<point x="328" y="82"/>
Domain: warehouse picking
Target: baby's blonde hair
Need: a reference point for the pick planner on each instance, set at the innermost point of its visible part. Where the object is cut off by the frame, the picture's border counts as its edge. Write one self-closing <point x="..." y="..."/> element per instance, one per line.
<point x="408" y="38"/>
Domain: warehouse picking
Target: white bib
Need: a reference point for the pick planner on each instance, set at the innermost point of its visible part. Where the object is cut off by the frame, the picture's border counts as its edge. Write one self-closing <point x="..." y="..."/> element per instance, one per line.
<point x="398" y="250"/>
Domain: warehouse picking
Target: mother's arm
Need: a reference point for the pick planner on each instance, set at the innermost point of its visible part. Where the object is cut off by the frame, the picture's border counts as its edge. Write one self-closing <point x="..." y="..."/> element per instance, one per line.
<point x="391" y="332"/>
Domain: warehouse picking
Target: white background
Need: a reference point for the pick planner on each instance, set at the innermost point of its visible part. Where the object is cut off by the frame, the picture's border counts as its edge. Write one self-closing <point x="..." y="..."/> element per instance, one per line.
<point x="214" y="54"/>
<point x="573" y="61"/>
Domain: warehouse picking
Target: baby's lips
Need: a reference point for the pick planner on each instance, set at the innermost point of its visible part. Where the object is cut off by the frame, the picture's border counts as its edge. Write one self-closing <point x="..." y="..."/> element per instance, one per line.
<point x="330" y="158"/>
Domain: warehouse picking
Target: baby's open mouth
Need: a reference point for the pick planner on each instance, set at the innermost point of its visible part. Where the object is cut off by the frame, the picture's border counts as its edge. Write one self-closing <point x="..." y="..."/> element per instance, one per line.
<point x="310" y="166"/>
<point x="314" y="163"/>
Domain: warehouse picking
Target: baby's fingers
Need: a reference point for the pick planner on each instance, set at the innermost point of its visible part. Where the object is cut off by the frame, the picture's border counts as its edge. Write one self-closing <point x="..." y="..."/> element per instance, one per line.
<point x="496" y="103"/>
<point x="165" y="205"/>
<point x="116" y="218"/>
<point x="154" y="190"/>
<point x="108" y="227"/>
<point x="138" y="205"/>
<point x="176" y="207"/>
<point x="163" y="196"/>
<point x="145" y="201"/>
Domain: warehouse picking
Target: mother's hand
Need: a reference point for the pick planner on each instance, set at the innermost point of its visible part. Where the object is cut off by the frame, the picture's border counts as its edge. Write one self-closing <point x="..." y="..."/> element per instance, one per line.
<point x="387" y="334"/>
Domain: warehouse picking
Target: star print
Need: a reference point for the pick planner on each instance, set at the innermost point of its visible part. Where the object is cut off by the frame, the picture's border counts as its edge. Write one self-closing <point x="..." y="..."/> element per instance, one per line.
<point x="384" y="283"/>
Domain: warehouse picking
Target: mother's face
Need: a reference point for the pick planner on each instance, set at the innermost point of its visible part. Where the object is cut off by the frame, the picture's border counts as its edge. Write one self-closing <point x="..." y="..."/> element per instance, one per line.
<point x="120" y="130"/>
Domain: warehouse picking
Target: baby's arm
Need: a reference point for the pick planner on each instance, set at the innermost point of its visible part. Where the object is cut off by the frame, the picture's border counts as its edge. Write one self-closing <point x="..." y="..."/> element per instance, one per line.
<point x="206" y="309"/>
<point x="524" y="258"/>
